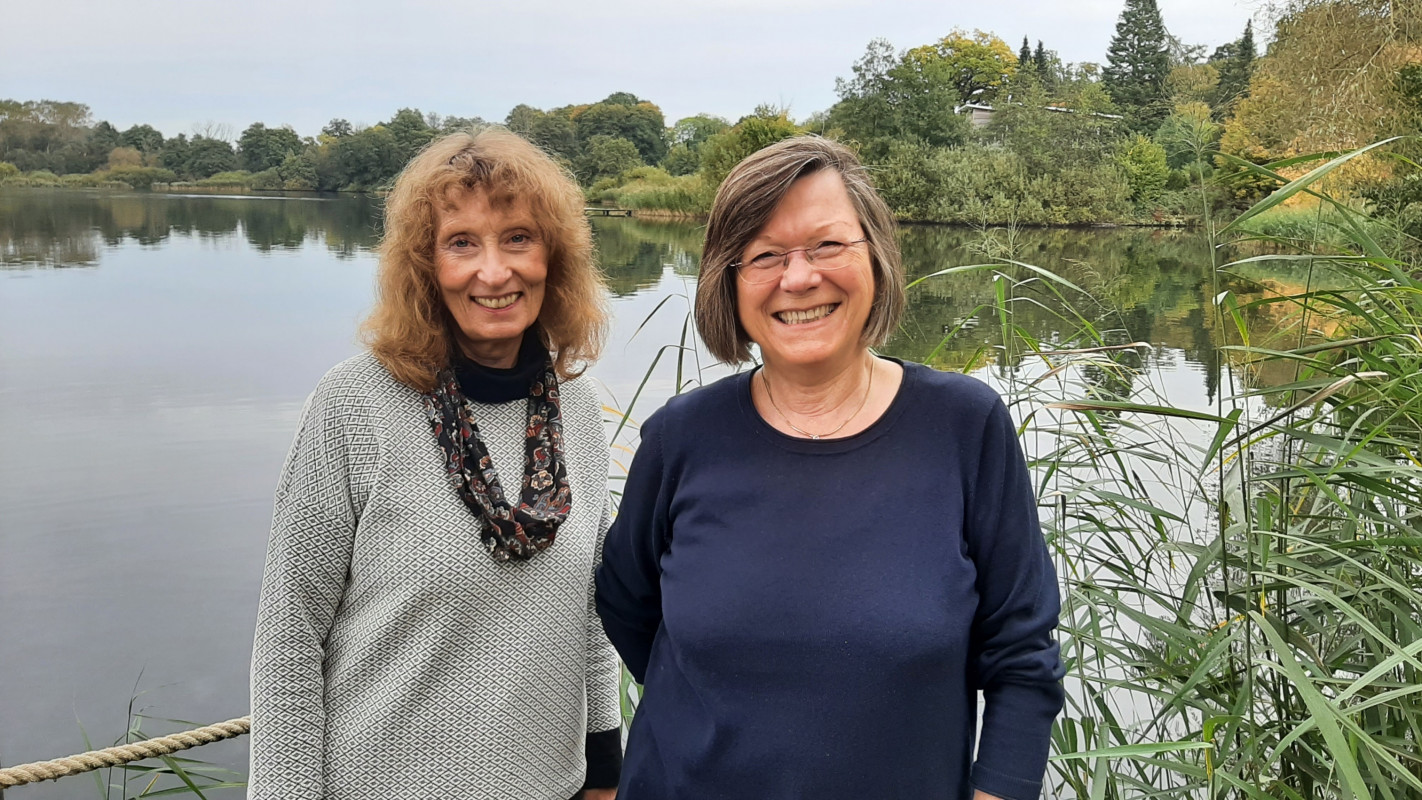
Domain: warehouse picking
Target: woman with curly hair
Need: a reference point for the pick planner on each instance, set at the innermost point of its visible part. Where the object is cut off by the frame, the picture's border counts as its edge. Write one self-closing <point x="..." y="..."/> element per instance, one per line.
<point x="425" y="625"/>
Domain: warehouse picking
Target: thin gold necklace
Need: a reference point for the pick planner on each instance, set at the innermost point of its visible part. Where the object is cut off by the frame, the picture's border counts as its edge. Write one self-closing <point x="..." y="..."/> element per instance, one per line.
<point x="804" y="432"/>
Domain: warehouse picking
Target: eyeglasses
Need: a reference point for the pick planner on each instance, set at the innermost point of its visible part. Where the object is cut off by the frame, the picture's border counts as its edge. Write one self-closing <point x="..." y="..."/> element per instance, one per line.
<point x="769" y="266"/>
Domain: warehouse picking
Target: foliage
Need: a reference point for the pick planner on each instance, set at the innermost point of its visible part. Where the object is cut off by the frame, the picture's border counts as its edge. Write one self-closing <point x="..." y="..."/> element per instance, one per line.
<point x="724" y="150"/>
<point x="975" y="66"/>
<point x="1273" y="639"/>
<point x="654" y="190"/>
<point x="640" y="123"/>
<point x="980" y="184"/>
<point x="207" y="157"/>
<point x="144" y="138"/>
<point x="1143" y="163"/>
<point x="1328" y="83"/>
<point x="605" y="157"/>
<point x="260" y="148"/>
<point x="1047" y="137"/>
<point x="137" y="176"/>
<point x="1188" y="135"/>
<point x="1235" y="63"/>
<point x="234" y="179"/>
<point x="266" y="180"/>
<point x="8" y="170"/>
<point x="410" y="131"/>
<point x="694" y="131"/>
<point x="681" y="160"/>
<point x="125" y="157"/>
<point x="298" y="171"/>
<point x="1192" y="83"/>
<point x="1137" y="64"/>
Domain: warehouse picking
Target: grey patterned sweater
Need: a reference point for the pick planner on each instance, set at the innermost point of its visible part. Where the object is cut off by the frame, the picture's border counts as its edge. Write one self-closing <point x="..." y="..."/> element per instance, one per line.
<point x="393" y="657"/>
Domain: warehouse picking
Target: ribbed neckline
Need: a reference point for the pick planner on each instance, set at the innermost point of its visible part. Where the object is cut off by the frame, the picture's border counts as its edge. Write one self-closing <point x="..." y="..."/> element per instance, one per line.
<point x="798" y="444"/>
<point x="493" y="385"/>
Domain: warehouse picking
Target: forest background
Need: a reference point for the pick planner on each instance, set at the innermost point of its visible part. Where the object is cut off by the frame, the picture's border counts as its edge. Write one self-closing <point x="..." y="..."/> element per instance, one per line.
<point x="960" y="130"/>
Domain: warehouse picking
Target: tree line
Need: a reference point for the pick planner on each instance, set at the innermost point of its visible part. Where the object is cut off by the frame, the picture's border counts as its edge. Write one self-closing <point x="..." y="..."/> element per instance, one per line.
<point x="1063" y="142"/>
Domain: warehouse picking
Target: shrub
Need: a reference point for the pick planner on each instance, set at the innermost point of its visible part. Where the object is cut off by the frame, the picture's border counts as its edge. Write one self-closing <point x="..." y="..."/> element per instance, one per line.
<point x="137" y="177"/>
<point x="236" y="179"/>
<point x="1144" y="164"/>
<point x="267" y="179"/>
<point x="687" y="194"/>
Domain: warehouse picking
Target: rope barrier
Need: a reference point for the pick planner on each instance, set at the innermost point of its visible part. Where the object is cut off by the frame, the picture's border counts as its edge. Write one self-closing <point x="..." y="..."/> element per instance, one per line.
<point x="122" y="754"/>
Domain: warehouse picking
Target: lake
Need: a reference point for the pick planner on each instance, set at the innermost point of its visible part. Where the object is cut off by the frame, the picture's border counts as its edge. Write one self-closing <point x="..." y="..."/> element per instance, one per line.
<point x="155" y="351"/>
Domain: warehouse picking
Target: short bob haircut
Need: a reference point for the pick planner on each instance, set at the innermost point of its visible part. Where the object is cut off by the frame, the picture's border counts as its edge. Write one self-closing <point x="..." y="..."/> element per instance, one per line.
<point x="410" y="330"/>
<point x="744" y="205"/>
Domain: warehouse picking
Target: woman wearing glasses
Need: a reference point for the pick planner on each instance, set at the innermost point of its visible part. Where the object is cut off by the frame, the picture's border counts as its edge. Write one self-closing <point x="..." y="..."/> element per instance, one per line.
<point x="819" y="564"/>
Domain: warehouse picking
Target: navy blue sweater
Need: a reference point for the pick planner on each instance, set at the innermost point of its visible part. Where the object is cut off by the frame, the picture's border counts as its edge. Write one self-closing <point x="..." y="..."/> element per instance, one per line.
<point x="815" y="619"/>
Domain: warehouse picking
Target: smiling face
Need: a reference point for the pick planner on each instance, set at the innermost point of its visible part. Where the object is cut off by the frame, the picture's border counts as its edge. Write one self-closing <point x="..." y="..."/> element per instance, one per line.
<point x="492" y="267"/>
<point x="809" y="318"/>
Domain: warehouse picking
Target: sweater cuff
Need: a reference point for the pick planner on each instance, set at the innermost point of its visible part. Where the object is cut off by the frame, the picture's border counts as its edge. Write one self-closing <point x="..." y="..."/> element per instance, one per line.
<point x="1008" y="787"/>
<point x="604" y="753"/>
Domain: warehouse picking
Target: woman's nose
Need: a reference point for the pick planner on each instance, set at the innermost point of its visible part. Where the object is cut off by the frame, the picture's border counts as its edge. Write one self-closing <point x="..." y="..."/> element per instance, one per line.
<point x="799" y="274"/>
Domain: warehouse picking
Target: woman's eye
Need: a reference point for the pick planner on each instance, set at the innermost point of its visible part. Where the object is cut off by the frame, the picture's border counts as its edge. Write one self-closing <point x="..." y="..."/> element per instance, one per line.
<point x="521" y="239"/>
<point x="459" y="242"/>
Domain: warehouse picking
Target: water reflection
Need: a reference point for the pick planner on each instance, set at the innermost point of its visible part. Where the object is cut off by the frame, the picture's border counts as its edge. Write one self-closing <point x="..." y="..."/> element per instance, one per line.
<point x="68" y="228"/>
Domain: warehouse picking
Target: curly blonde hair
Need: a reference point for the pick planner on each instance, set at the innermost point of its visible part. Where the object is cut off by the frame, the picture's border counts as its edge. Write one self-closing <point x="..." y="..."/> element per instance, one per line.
<point x="410" y="330"/>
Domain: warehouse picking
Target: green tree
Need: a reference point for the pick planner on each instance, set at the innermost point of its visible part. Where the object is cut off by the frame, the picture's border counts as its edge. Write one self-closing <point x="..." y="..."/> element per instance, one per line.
<point x="261" y="148"/>
<point x="1024" y="56"/>
<point x="125" y="157"/>
<point x="641" y="124"/>
<point x="681" y="160"/>
<point x="367" y="159"/>
<point x="208" y="156"/>
<point x="977" y="65"/>
<point x="174" y="155"/>
<point x="337" y="128"/>
<point x="865" y="108"/>
<point x="521" y="118"/>
<point x="298" y="171"/>
<point x="1137" y="64"/>
<point x="1235" y="63"/>
<point x="606" y="157"/>
<point x="694" y="131"/>
<point x="724" y="150"/>
<point x="143" y="138"/>
<point x="623" y="99"/>
<point x="1047" y="138"/>
<point x="411" y="131"/>
<point x="556" y="135"/>
<point x="1143" y="162"/>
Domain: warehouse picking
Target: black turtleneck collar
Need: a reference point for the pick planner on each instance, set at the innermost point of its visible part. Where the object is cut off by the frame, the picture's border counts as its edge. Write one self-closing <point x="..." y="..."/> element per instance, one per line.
<point x="493" y="385"/>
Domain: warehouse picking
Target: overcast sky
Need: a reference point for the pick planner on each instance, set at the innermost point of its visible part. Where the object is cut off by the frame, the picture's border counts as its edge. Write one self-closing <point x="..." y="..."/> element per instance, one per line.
<point x="177" y="65"/>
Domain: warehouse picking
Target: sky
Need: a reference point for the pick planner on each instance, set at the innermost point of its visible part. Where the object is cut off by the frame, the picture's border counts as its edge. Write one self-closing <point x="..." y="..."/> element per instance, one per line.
<point x="189" y="65"/>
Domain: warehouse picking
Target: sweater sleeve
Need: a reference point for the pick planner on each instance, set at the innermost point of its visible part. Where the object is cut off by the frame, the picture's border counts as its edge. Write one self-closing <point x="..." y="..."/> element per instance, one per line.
<point x="308" y="557"/>
<point x="629" y="591"/>
<point x="1015" y="658"/>
<point x="603" y="747"/>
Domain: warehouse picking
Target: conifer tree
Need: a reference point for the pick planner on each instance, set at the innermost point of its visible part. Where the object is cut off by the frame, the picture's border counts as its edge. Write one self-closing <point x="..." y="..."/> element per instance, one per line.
<point x="1024" y="56"/>
<point x="1137" y="63"/>
<point x="1235" y="62"/>
<point x="1042" y="64"/>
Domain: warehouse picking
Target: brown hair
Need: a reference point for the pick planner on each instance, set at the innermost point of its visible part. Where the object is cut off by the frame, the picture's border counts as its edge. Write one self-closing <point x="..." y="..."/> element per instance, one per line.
<point x="744" y="205"/>
<point x="410" y="330"/>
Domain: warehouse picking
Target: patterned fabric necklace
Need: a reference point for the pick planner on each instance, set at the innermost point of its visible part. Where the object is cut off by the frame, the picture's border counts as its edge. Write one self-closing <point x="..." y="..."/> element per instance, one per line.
<point x="508" y="533"/>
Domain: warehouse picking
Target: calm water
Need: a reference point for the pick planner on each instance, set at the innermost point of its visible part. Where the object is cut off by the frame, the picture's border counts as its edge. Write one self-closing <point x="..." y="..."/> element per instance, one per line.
<point x="154" y="355"/>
